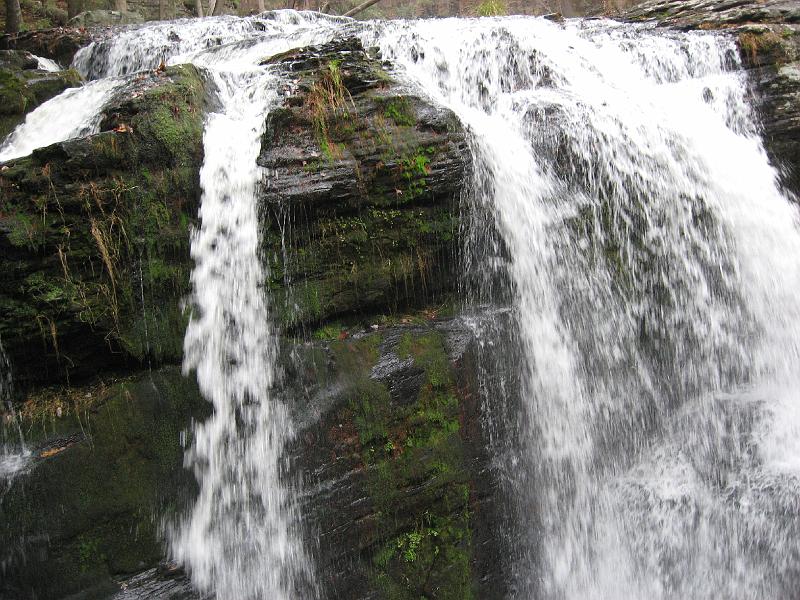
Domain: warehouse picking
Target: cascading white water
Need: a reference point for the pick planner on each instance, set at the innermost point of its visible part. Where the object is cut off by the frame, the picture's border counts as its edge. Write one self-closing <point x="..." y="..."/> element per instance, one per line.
<point x="73" y="113"/>
<point x="652" y="260"/>
<point x="241" y="540"/>
<point x="46" y="64"/>
<point x="14" y="454"/>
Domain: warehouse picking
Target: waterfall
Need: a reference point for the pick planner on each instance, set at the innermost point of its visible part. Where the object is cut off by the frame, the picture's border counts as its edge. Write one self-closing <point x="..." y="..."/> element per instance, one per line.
<point x="73" y="113"/>
<point x="652" y="260"/>
<point x="14" y="454"/>
<point x="241" y="539"/>
<point x="624" y="207"/>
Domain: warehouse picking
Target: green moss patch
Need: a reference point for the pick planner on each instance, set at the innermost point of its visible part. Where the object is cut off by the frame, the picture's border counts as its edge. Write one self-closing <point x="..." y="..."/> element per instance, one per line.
<point x="95" y="237"/>
<point x="422" y="540"/>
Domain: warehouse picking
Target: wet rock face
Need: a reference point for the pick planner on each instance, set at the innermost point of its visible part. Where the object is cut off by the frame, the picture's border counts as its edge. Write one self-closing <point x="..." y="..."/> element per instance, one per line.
<point x="360" y="213"/>
<point x="692" y="14"/>
<point x="23" y="87"/>
<point x="362" y="189"/>
<point x="94" y="237"/>
<point x="397" y="476"/>
<point x="768" y="34"/>
<point x="107" y="464"/>
<point x="59" y="44"/>
<point x="398" y="496"/>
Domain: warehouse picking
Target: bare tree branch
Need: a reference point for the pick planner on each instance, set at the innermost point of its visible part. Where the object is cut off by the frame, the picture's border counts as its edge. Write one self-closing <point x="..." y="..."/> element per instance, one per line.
<point x="357" y="9"/>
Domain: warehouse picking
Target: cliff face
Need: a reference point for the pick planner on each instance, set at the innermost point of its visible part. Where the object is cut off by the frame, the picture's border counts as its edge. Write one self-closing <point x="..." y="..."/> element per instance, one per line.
<point x="360" y="225"/>
<point x="768" y="34"/>
<point x="360" y="228"/>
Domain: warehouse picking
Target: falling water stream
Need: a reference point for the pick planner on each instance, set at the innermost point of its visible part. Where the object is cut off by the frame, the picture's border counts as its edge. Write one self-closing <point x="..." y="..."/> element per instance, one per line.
<point x="652" y="264"/>
<point x="653" y="261"/>
<point x="15" y="456"/>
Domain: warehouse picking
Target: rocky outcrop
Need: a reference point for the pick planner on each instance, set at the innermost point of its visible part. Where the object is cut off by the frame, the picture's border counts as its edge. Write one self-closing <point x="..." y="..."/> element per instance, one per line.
<point x="398" y="485"/>
<point x="105" y="18"/>
<point x="362" y="189"/>
<point x="106" y="464"/>
<point x="23" y="87"/>
<point x="360" y="224"/>
<point x="94" y="237"/>
<point x="359" y="215"/>
<point x="768" y="34"/>
<point x="59" y="44"/>
<point x="400" y="488"/>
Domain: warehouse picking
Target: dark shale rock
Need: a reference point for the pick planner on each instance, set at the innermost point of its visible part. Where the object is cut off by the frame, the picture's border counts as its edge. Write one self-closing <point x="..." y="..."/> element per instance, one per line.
<point x="709" y="14"/>
<point x="107" y="464"/>
<point x="768" y="34"/>
<point x="398" y="480"/>
<point x="361" y="197"/>
<point x="94" y="237"/>
<point x="399" y="497"/>
<point x="59" y="44"/>
<point x="360" y="219"/>
<point x="23" y="87"/>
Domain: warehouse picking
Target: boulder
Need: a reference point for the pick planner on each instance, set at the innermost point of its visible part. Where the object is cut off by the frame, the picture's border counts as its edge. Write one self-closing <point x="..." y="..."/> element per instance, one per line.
<point x="105" y="18"/>
<point x="23" y="87"/>
<point x="361" y="201"/>
<point x="59" y="43"/>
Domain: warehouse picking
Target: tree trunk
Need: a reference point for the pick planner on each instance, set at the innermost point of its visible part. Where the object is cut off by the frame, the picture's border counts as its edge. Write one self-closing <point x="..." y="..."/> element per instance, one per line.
<point x="261" y="6"/>
<point x="162" y="10"/>
<point x="363" y="6"/>
<point x="121" y="5"/>
<point x="13" y="16"/>
<point x="74" y="7"/>
<point x="218" y="6"/>
<point x="198" y="8"/>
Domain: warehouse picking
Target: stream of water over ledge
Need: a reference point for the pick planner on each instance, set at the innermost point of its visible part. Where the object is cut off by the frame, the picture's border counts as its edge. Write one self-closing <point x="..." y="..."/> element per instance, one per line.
<point x="651" y="261"/>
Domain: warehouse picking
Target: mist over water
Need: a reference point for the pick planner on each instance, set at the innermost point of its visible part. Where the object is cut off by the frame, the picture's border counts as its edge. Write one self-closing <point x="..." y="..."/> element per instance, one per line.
<point x="622" y="203"/>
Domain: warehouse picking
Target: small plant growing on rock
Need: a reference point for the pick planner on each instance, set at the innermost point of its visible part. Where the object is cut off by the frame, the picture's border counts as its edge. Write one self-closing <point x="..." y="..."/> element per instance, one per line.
<point x="492" y="8"/>
<point x="328" y="96"/>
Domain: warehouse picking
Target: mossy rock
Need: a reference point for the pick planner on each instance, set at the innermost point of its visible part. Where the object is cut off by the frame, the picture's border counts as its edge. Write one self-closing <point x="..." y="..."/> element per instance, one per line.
<point x="58" y="43"/>
<point x="391" y="426"/>
<point x="108" y="464"/>
<point x="361" y="206"/>
<point x="23" y="87"/>
<point x="94" y="237"/>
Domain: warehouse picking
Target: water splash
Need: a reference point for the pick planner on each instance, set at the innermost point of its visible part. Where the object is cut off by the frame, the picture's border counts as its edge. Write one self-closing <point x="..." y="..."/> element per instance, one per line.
<point x="76" y="112"/>
<point x="242" y="539"/>
<point x="46" y="64"/>
<point x="15" y="457"/>
<point x="651" y="260"/>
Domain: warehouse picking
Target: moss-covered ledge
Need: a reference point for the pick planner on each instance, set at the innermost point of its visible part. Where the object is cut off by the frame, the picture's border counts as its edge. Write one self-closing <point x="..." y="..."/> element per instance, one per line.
<point x="106" y="465"/>
<point x="23" y="87"/>
<point x="94" y="237"/>
<point x="362" y="189"/>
